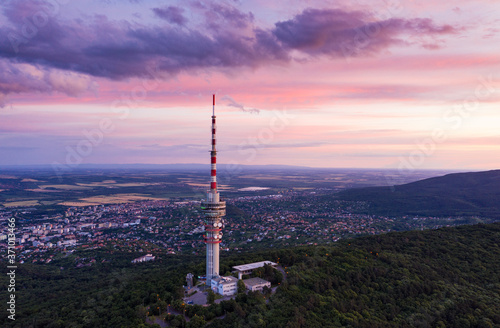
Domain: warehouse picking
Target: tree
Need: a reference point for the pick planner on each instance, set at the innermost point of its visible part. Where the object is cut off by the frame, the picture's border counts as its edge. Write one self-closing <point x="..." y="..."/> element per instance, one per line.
<point x="256" y="320"/>
<point x="277" y="278"/>
<point x="259" y="272"/>
<point x="241" y="286"/>
<point x="141" y="311"/>
<point x="210" y="297"/>
<point x="178" y="321"/>
<point x="266" y="291"/>
<point x="197" y="321"/>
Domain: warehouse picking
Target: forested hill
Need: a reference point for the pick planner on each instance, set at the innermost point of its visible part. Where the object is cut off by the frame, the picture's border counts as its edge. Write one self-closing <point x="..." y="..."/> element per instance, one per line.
<point x="436" y="278"/>
<point x="448" y="277"/>
<point x="468" y="194"/>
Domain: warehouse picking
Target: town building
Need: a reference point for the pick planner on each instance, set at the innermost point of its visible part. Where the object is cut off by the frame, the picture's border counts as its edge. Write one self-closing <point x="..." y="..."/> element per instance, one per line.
<point x="145" y="258"/>
<point x="225" y="286"/>
<point x="248" y="268"/>
<point x="255" y="284"/>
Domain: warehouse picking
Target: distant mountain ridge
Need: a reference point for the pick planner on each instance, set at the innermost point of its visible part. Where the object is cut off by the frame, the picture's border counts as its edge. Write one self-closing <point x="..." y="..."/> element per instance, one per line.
<point x="468" y="194"/>
<point x="141" y="166"/>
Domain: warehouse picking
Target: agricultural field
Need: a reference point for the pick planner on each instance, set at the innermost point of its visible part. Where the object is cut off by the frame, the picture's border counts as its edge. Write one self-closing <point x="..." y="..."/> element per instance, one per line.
<point x="41" y="187"/>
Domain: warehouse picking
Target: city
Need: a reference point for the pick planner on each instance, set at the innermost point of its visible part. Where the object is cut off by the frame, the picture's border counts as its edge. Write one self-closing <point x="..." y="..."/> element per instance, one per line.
<point x="253" y="222"/>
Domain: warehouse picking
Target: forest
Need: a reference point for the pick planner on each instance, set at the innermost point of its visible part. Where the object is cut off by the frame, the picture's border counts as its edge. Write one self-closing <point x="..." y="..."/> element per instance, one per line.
<point x="459" y="194"/>
<point x="449" y="277"/>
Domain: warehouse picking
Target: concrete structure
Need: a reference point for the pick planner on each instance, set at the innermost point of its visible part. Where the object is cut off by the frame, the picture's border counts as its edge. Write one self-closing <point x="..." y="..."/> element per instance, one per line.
<point x="71" y="242"/>
<point x="254" y="284"/>
<point x="225" y="286"/>
<point x="248" y="268"/>
<point x="189" y="280"/>
<point x="145" y="258"/>
<point x="213" y="209"/>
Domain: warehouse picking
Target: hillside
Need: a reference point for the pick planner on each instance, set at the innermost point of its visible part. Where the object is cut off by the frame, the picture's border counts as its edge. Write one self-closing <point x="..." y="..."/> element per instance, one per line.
<point x="435" y="278"/>
<point x="467" y="194"/>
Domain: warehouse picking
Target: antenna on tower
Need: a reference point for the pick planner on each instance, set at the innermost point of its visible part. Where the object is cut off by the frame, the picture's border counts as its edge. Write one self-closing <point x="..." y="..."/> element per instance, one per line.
<point x="213" y="153"/>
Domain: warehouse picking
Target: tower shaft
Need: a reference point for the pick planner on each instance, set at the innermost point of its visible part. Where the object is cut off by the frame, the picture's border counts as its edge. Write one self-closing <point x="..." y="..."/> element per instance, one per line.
<point x="213" y="209"/>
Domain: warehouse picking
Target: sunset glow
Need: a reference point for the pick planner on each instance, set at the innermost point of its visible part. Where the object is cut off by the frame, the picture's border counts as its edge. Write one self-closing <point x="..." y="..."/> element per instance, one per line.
<point x="376" y="84"/>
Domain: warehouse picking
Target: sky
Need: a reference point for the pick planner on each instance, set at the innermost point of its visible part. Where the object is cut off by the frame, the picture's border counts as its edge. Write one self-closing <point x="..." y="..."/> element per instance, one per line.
<point x="394" y="84"/>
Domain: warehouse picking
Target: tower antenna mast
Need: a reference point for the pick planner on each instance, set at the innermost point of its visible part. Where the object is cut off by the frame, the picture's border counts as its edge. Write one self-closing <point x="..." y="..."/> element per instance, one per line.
<point x="213" y="209"/>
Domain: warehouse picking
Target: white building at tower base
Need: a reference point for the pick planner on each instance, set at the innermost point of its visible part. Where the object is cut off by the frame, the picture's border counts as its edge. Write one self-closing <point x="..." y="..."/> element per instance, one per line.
<point x="225" y="286"/>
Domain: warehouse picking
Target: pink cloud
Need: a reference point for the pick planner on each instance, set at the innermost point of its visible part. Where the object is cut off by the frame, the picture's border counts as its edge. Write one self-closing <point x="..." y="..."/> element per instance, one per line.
<point x="22" y="78"/>
<point x="117" y="50"/>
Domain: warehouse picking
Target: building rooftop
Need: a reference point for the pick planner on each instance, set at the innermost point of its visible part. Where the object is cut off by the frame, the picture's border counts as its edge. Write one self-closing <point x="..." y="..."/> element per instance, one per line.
<point x="252" y="266"/>
<point x="255" y="281"/>
<point x="224" y="280"/>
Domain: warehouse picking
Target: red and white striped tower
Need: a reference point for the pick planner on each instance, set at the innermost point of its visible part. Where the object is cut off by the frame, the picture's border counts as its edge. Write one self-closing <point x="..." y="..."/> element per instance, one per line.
<point x="213" y="210"/>
<point x="213" y="153"/>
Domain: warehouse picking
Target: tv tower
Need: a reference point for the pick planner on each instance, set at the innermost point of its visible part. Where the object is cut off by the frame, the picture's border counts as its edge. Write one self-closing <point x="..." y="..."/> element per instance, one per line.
<point x="213" y="209"/>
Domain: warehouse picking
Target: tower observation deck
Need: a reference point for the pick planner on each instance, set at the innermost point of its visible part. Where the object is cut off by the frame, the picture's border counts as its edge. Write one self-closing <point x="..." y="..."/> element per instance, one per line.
<point x="213" y="210"/>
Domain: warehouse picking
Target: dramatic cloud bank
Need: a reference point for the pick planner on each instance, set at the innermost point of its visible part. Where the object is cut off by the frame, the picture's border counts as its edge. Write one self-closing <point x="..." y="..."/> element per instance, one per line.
<point x="24" y="78"/>
<point x="101" y="47"/>
<point x="339" y="33"/>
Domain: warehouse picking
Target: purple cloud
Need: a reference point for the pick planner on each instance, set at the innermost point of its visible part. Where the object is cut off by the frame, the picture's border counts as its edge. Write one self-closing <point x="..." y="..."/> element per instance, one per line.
<point x="20" y="78"/>
<point x="232" y="16"/>
<point x="223" y="16"/>
<point x="171" y="14"/>
<point x="338" y="33"/>
<point x="121" y="49"/>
